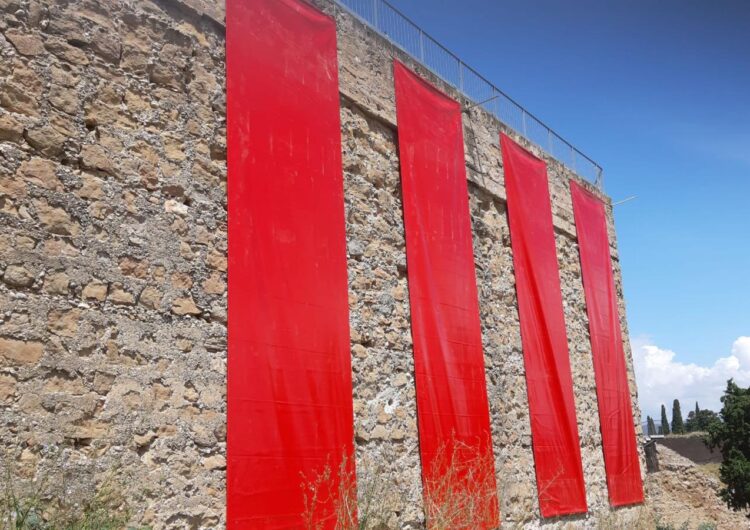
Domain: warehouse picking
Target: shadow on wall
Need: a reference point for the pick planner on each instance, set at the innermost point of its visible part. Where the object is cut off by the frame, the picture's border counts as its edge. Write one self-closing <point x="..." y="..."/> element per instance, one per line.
<point x="693" y="448"/>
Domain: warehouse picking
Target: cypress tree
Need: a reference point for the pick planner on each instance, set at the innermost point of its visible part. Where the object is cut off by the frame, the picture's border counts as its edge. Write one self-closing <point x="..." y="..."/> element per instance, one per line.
<point x="664" y="421"/>
<point x="692" y="423"/>
<point x="678" y="426"/>
<point x="650" y="426"/>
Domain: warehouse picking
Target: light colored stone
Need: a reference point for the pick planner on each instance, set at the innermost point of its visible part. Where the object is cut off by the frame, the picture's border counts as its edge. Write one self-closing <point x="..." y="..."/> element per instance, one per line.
<point x="56" y="220"/>
<point x="12" y="187"/>
<point x="173" y="148"/>
<point x="30" y="404"/>
<point x="27" y="44"/>
<point x="64" y="384"/>
<point x="181" y="280"/>
<point x="91" y="430"/>
<point x="48" y="140"/>
<point x="94" y="156"/>
<point x="217" y="260"/>
<point x="91" y="187"/>
<point x="119" y="295"/>
<point x="53" y="248"/>
<point x="11" y="130"/>
<point x="66" y="52"/>
<point x="150" y="297"/>
<point x="141" y="440"/>
<point x="215" y="462"/>
<point x="103" y="382"/>
<point x="379" y="433"/>
<point x="25" y="242"/>
<point x="57" y="283"/>
<point x="185" y="306"/>
<point x="17" y="99"/>
<point x="95" y="290"/>
<point x="134" y="267"/>
<point x="19" y="351"/>
<point x="186" y="251"/>
<point x="64" y="98"/>
<point x="173" y="206"/>
<point x="64" y="322"/>
<point x="7" y="388"/>
<point x="214" y="284"/>
<point x="18" y="276"/>
<point x="40" y="172"/>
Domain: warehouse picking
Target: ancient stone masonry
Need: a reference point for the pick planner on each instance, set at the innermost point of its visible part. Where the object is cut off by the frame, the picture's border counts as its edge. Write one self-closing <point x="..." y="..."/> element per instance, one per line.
<point x="367" y="84"/>
<point x="113" y="264"/>
<point x="113" y="251"/>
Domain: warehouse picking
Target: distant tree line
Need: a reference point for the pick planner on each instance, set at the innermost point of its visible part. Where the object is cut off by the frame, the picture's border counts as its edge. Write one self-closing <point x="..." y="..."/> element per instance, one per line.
<point x="698" y="420"/>
<point x="729" y="431"/>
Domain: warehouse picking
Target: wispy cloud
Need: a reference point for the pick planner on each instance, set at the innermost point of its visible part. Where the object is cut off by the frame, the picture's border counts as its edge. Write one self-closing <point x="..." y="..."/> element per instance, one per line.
<point x="720" y="145"/>
<point x="726" y="148"/>
<point x="662" y="377"/>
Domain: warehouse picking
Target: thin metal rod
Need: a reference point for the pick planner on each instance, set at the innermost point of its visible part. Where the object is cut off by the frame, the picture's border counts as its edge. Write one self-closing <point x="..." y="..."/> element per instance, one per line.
<point x="625" y="200"/>
<point x="467" y="109"/>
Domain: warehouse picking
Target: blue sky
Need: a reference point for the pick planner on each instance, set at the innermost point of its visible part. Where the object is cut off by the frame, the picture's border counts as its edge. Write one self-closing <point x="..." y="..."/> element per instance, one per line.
<point x="658" y="93"/>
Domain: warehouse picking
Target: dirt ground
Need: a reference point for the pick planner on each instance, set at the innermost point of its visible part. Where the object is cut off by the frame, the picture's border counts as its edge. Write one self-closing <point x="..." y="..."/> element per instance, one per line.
<point x="685" y="495"/>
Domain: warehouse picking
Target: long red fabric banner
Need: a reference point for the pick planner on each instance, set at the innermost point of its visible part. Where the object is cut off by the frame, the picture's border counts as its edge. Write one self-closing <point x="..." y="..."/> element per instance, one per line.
<point x="554" y="430"/>
<point x="613" y="393"/>
<point x="289" y="389"/>
<point x="452" y="409"/>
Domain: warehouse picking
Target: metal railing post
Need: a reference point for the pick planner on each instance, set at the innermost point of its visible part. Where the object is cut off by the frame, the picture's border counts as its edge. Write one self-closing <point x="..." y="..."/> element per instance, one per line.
<point x="421" y="44"/>
<point x="549" y="141"/>
<point x="375" y="13"/>
<point x="523" y="118"/>
<point x="461" y="76"/>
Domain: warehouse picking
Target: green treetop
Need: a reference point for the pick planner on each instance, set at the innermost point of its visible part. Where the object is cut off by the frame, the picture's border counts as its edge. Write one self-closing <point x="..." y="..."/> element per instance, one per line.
<point x="678" y="426"/>
<point x="732" y="437"/>
<point x="664" y="421"/>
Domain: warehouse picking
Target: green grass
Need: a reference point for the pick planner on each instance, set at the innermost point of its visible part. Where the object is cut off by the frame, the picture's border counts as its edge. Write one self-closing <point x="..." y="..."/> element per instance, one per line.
<point x="44" y="504"/>
<point x="711" y="469"/>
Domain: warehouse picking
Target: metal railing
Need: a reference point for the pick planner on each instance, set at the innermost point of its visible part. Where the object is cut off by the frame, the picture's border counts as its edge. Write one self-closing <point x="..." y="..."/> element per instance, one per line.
<point x="406" y="35"/>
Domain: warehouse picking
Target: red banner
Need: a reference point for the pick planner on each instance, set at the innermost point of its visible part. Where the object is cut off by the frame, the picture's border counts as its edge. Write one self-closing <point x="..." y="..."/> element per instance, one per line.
<point x="453" y="414"/>
<point x="289" y="390"/>
<point x="615" y="409"/>
<point x="554" y="431"/>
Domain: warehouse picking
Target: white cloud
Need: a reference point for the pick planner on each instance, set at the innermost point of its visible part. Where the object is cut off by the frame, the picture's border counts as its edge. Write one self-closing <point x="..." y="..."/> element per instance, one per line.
<point x="662" y="378"/>
<point x="741" y="350"/>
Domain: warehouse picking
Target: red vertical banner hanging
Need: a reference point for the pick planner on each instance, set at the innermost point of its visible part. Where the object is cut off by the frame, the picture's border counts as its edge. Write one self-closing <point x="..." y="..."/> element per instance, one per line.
<point x="289" y="389"/>
<point x="554" y="430"/>
<point x="619" y="442"/>
<point x="452" y="408"/>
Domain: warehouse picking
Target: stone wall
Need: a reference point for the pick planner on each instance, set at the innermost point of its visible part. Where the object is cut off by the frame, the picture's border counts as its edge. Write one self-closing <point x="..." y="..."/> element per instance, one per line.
<point x="371" y="156"/>
<point x="113" y="252"/>
<point x="113" y="265"/>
